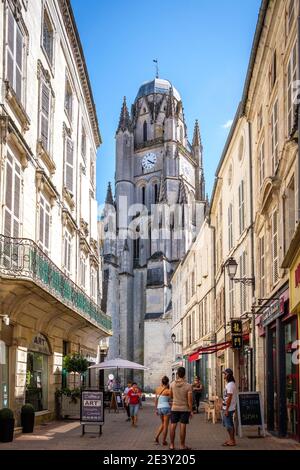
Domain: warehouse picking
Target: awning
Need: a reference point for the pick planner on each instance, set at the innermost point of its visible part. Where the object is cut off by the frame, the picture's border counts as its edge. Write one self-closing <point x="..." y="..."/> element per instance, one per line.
<point x="213" y="348"/>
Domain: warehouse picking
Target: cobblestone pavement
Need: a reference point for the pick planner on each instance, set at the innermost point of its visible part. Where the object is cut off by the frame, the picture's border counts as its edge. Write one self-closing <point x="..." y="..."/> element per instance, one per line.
<point x="119" y="434"/>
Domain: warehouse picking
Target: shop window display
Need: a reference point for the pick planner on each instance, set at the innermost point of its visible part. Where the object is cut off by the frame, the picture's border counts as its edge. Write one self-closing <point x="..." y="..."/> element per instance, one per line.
<point x="37" y="380"/>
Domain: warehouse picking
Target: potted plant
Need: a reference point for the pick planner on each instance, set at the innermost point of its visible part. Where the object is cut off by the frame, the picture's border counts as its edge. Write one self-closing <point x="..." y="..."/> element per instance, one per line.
<point x="68" y="400"/>
<point x="27" y="418"/>
<point x="7" y="424"/>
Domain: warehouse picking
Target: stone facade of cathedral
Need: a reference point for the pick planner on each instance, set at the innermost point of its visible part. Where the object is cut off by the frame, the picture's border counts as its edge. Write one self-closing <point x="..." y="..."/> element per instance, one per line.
<point x="158" y="208"/>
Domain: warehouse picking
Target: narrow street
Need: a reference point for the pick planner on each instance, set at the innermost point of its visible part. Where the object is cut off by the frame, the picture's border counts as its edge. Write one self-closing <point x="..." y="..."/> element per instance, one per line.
<point x="119" y="435"/>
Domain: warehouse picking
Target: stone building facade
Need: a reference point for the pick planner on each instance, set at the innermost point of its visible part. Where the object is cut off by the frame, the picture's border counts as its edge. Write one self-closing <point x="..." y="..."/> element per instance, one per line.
<point x="50" y="276"/>
<point x="158" y="172"/>
<point x="254" y="212"/>
<point x="192" y="310"/>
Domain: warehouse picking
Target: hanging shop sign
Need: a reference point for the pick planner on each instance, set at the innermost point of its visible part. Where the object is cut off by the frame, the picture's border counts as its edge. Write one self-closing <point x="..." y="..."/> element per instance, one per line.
<point x="273" y="311"/>
<point x="236" y="334"/>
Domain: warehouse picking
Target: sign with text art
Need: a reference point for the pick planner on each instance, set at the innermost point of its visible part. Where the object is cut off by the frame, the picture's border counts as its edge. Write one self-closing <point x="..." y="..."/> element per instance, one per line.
<point x="91" y="407"/>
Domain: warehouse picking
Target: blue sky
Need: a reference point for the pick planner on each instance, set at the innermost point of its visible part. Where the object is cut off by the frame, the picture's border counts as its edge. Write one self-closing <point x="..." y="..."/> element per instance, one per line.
<point x="203" y="48"/>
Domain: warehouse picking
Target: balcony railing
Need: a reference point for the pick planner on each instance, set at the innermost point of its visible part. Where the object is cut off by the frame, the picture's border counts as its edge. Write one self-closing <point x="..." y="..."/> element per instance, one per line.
<point x="21" y="258"/>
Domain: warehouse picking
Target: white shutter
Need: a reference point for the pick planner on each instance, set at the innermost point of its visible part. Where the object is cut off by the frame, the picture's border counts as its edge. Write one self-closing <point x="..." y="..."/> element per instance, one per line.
<point x="10" y="48"/>
<point x="275" y="246"/>
<point x="12" y="198"/>
<point x="19" y="63"/>
<point x="47" y="228"/>
<point x="45" y="115"/>
<point x="14" y="55"/>
<point x="262" y="266"/>
<point x="274" y="136"/>
<point x="85" y="198"/>
<point x="69" y="165"/>
<point x="241" y="208"/>
<point x="42" y="223"/>
<point x="262" y="164"/>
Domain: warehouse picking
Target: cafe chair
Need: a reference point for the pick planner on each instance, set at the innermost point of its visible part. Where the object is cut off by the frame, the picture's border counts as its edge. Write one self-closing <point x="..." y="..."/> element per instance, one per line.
<point x="210" y="412"/>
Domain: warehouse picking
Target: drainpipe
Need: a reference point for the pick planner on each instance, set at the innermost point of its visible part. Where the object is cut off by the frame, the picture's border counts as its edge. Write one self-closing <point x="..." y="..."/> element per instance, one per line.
<point x="252" y="255"/>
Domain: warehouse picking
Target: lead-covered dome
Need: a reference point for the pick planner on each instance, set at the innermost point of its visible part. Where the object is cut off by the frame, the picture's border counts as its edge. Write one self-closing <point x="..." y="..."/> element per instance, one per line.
<point x="158" y="85"/>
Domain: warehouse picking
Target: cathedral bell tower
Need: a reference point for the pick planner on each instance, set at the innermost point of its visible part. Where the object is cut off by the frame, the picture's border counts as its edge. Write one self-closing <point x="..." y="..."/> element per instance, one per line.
<point x="159" y="181"/>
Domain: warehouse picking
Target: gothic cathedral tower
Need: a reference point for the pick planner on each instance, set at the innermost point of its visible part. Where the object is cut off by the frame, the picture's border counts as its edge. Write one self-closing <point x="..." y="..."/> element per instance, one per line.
<point x="160" y="205"/>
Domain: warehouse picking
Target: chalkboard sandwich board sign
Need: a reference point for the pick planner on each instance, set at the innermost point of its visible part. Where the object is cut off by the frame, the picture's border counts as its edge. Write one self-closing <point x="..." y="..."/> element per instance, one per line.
<point x="250" y="411"/>
<point x="91" y="409"/>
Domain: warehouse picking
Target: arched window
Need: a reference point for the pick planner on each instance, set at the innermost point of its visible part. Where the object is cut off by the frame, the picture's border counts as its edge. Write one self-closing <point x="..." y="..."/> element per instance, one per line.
<point x="155" y="193"/>
<point x="136" y="249"/>
<point x="143" y="195"/>
<point x="145" y="131"/>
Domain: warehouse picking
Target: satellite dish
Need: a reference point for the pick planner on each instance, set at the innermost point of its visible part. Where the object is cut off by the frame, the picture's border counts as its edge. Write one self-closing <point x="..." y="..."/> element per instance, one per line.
<point x="111" y="377"/>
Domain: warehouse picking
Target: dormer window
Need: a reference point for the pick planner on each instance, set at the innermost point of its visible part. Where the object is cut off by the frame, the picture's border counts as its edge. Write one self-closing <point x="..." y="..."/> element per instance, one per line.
<point x="145" y="132"/>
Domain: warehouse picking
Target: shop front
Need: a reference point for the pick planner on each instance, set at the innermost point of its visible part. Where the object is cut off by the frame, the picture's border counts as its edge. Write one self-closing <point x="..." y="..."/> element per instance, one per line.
<point x="282" y="372"/>
<point x="37" y="373"/>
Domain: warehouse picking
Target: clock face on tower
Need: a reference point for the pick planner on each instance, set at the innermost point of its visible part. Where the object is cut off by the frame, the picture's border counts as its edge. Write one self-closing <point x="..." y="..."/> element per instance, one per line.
<point x="149" y="161"/>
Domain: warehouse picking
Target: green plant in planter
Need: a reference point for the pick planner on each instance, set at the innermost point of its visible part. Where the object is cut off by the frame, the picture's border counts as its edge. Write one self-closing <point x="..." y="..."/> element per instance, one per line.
<point x="74" y="394"/>
<point x="75" y="363"/>
<point x="27" y="418"/>
<point x="7" y="424"/>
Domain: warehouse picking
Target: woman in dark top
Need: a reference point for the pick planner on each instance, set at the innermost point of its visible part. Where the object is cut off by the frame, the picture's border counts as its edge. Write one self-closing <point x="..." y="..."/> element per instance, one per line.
<point x="197" y="391"/>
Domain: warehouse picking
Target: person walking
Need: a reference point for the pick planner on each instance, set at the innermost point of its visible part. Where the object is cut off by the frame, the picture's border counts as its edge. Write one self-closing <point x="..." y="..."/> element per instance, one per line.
<point x="181" y="394"/>
<point x="125" y="399"/>
<point x="163" y="409"/>
<point x="197" y="391"/>
<point x="134" y="395"/>
<point x="229" y="406"/>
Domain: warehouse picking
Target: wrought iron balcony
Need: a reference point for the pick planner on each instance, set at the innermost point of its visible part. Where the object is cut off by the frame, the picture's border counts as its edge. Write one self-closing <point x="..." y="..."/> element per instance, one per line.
<point x="21" y="258"/>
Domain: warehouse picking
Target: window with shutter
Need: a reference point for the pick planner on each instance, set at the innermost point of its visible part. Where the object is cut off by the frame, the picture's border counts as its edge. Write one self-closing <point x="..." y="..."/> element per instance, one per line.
<point x="69" y="165"/>
<point x="261" y="163"/>
<point x="291" y="95"/>
<point x="274" y="137"/>
<point x="67" y="251"/>
<point x="94" y="284"/>
<point x="275" y="247"/>
<point x="230" y="227"/>
<point x="68" y="99"/>
<point x="12" y="197"/>
<point x="45" y="103"/>
<point x="241" y="208"/>
<point x="242" y="264"/>
<point x="83" y="272"/>
<point x="14" y="55"/>
<point x="44" y="225"/>
<point x="262" y="266"/>
<point x="48" y="37"/>
<point x="231" y="298"/>
<point x="83" y="142"/>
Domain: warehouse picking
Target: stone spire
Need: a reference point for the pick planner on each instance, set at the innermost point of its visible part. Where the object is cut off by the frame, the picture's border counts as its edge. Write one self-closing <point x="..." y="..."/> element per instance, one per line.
<point x="170" y="111"/>
<point x="124" y="122"/>
<point x="109" y="197"/>
<point x="196" y="136"/>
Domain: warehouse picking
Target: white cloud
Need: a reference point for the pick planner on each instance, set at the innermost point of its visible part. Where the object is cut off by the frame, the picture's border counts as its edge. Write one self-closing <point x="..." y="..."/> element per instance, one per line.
<point x="228" y="124"/>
